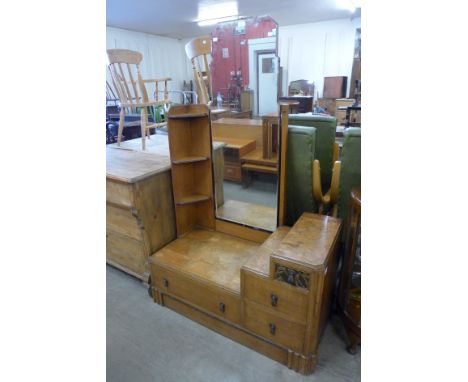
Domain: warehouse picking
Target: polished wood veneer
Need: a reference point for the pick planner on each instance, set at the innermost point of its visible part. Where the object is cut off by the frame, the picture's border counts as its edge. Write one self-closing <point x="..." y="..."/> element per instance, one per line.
<point x="212" y="257"/>
<point x="271" y="292"/>
<point x="229" y="284"/>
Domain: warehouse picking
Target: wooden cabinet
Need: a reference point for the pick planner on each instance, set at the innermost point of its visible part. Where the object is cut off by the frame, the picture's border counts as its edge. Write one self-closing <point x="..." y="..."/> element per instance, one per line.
<point x="335" y="87"/>
<point x="305" y="102"/>
<point x="233" y="150"/>
<point x="138" y="223"/>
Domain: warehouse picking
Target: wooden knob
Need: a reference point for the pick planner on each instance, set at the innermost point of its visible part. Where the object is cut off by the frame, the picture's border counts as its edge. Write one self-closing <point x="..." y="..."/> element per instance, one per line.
<point x="222" y="307"/>
<point x="165" y="283"/>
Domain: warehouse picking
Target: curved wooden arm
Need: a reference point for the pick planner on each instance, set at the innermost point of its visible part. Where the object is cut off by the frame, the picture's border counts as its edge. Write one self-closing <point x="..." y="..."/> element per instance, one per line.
<point x="317" y="184"/>
<point x="336" y="152"/>
<point x="331" y="196"/>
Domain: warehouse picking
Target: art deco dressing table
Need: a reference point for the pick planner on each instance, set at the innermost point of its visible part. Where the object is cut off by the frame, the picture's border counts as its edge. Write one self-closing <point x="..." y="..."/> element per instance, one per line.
<point x="268" y="291"/>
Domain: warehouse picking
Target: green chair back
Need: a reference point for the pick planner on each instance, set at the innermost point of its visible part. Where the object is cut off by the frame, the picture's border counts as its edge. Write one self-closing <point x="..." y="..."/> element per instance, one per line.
<point x="300" y="155"/>
<point x="325" y="138"/>
<point x="350" y="168"/>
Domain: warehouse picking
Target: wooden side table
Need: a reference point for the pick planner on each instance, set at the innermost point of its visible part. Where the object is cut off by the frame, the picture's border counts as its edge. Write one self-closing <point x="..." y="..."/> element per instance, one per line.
<point x="349" y="297"/>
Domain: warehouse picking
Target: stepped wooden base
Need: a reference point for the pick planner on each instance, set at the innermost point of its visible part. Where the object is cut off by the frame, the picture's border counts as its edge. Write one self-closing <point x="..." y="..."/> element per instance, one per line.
<point x="298" y="362"/>
<point x="271" y="295"/>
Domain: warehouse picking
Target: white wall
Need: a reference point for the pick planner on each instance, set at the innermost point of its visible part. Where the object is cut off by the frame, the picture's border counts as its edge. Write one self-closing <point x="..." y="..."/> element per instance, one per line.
<point x="307" y="51"/>
<point x="162" y="56"/>
<point x="316" y="50"/>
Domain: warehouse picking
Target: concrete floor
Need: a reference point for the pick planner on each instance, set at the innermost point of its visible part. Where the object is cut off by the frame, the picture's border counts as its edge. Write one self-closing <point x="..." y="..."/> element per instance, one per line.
<point x="261" y="191"/>
<point x="147" y="342"/>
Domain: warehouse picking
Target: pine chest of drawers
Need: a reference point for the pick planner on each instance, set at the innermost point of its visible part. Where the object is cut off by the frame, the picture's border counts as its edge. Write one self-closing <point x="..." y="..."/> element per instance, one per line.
<point x="139" y="214"/>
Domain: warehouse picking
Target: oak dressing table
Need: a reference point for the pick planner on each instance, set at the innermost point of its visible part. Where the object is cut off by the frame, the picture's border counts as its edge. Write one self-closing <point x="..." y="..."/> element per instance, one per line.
<point x="270" y="291"/>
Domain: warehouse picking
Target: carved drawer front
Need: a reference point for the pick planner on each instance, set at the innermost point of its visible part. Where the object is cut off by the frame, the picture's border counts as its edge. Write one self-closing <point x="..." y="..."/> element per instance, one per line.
<point x="122" y="220"/>
<point x="277" y="296"/>
<point x="119" y="193"/>
<point x="274" y="327"/>
<point x="212" y="299"/>
<point x="126" y="252"/>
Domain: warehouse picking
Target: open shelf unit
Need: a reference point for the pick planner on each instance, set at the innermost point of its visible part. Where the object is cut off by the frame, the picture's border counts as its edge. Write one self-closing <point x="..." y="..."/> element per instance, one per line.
<point x="192" y="182"/>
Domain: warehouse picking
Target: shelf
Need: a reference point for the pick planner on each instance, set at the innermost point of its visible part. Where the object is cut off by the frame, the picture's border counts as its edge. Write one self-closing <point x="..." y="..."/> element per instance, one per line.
<point x="188" y="116"/>
<point x="189" y="160"/>
<point x="192" y="199"/>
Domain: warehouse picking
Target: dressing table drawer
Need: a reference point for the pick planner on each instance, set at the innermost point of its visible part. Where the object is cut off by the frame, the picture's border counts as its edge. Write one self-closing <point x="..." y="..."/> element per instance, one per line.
<point x="277" y="296"/>
<point x="211" y="299"/>
<point x="276" y="328"/>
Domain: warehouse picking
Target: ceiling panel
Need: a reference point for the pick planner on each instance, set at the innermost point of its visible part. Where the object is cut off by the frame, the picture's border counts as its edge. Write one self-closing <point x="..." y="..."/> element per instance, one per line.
<point x="176" y="18"/>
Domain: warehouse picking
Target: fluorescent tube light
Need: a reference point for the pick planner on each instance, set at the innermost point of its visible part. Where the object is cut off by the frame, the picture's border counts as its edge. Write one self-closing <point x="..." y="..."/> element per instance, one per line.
<point x="210" y="14"/>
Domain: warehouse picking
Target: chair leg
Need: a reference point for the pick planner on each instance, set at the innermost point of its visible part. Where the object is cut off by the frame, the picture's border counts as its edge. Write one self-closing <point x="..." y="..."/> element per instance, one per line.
<point x="121" y="126"/>
<point x="143" y="128"/>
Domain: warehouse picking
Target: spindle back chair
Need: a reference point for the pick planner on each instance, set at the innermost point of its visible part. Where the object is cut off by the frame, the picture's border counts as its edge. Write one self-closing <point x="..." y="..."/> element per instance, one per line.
<point x="196" y="48"/>
<point x="124" y="66"/>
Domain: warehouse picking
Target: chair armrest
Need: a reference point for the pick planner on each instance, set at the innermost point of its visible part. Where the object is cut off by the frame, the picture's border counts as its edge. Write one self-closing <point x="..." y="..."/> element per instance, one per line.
<point x="331" y="196"/>
<point x="317" y="184"/>
<point x="158" y="79"/>
<point x="336" y="152"/>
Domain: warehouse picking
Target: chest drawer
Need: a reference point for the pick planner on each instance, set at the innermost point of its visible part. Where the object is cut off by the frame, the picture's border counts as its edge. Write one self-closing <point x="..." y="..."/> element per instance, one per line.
<point x="232" y="172"/>
<point x="126" y="252"/>
<point x="277" y="296"/>
<point x="121" y="220"/>
<point x="268" y="324"/>
<point x="212" y="299"/>
<point x="119" y="193"/>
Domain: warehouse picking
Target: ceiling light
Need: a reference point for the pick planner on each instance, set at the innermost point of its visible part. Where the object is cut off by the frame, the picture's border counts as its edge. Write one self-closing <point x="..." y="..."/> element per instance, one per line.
<point x="350" y="5"/>
<point x="209" y="13"/>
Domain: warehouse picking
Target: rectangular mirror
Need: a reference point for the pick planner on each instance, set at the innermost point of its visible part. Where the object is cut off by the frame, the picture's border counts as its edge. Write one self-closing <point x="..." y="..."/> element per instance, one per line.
<point x="245" y="75"/>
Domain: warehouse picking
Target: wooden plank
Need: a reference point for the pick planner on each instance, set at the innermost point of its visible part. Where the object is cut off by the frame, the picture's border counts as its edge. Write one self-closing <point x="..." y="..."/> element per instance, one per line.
<point x="192" y="199"/>
<point x="131" y="166"/>
<point x="284" y="146"/>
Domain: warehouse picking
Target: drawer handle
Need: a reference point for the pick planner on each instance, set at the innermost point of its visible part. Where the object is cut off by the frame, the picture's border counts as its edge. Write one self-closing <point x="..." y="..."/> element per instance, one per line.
<point x="165" y="283"/>
<point x="274" y="299"/>
<point x="222" y="307"/>
<point x="272" y="328"/>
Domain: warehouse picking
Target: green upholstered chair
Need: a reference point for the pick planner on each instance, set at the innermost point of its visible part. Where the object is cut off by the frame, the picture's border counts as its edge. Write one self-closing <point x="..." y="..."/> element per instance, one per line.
<point x="350" y="169"/>
<point x="300" y="155"/>
<point x="325" y="138"/>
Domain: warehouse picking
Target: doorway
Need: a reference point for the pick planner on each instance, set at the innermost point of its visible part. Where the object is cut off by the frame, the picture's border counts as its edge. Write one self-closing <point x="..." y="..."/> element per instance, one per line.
<point x="267" y="82"/>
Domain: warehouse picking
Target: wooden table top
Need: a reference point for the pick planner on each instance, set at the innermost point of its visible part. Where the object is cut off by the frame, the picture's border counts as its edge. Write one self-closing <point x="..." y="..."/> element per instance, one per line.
<point x="131" y="166"/>
<point x="256" y="156"/>
<point x="235" y="143"/>
<point x="129" y="163"/>
<point x="310" y="240"/>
